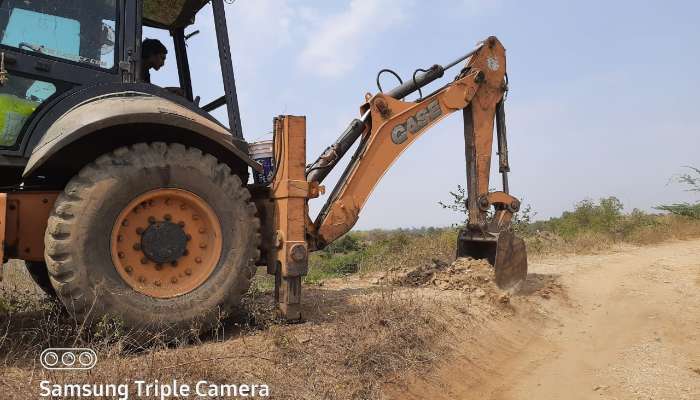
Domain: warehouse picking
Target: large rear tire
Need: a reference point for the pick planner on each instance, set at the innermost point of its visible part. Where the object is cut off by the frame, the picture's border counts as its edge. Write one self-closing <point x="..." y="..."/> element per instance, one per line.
<point x="163" y="193"/>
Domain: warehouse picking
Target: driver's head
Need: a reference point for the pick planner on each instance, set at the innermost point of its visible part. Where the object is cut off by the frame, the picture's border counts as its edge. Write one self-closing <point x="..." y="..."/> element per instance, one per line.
<point x="153" y="53"/>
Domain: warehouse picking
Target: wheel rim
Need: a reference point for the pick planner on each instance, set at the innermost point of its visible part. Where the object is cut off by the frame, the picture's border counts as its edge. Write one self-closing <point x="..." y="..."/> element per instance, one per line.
<point x="166" y="243"/>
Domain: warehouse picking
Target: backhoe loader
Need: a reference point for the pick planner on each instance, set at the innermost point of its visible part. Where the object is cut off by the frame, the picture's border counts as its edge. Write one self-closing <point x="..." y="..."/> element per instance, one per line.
<point x="126" y="199"/>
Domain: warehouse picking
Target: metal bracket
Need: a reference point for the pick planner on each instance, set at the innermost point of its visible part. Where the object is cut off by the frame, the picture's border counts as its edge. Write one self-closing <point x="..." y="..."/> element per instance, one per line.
<point x="4" y="75"/>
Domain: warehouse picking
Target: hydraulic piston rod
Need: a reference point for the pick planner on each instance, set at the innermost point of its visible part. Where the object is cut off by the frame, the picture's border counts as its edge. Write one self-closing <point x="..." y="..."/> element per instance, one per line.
<point x="318" y="171"/>
<point x="425" y="78"/>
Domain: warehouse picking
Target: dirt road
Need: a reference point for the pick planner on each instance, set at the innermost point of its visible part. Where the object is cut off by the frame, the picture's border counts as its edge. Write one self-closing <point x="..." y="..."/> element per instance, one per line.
<point x="628" y="327"/>
<point x="619" y="325"/>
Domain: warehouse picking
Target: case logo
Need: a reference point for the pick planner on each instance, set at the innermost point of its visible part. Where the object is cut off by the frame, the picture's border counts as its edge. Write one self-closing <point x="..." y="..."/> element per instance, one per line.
<point x="416" y="122"/>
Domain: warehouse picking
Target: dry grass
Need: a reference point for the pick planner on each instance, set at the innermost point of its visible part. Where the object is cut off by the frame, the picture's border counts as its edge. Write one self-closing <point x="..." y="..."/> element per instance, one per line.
<point x="670" y="227"/>
<point x="353" y="342"/>
<point x="389" y="250"/>
<point x="406" y="251"/>
<point x="663" y="228"/>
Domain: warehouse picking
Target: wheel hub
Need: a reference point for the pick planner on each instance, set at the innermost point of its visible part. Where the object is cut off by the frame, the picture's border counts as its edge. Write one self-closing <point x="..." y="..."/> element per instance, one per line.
<point x="166" y="243"/>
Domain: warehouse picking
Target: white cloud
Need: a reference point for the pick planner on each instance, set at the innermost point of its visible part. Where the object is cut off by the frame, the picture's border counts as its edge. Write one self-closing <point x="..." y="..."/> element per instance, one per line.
<point x="266" y="24"/>
<point x="256" y="29"/>
<point x="336" y="43"/>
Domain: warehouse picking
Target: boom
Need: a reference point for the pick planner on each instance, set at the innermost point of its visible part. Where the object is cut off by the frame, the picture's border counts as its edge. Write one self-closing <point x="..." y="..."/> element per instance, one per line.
<point x="393" y="125"/>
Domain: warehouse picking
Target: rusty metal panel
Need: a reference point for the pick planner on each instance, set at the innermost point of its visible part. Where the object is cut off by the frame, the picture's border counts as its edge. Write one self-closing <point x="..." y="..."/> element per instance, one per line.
<point x="171" y="13"/>
<point x="26" y="219"/>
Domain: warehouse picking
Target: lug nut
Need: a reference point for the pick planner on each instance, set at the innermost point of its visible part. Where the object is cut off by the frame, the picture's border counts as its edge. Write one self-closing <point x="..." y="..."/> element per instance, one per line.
<point x="203" y="245"/>
<point x="120" y="238"/>
<point x="188" y="272"/>
<point x="137" y="246"/>
<point x="188" y="237"/>
<point x="125" y="222"/>
<point x="195" y="217"/>
<point x="173" y="280"/>
<point x="150" y="202"/>
<point x="182" y="224"/>
<point x="121" y="254"/>
<point x="128" y="269"/>
<point x="198" y="260"/>
<point x="151" y="220"/>
<point x="159" y="267"/>
<point x="183" y="206"/>
<point x="168" y="217"/>
<point x="144" y="260"/>
<point x="157" y="283"/>
<point x="139" y="231"/>
<point x="202" y="230"/>
<point x="173" y="264"/>
<point x="142" y="279"/>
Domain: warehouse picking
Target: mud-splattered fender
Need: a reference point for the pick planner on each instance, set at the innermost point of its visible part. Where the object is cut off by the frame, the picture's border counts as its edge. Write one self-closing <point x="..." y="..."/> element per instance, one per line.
<point x="92" y="116"/>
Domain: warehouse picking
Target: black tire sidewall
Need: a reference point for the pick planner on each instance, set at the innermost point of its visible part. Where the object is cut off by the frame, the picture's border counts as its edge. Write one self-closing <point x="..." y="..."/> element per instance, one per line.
<point x="110" y="294"/>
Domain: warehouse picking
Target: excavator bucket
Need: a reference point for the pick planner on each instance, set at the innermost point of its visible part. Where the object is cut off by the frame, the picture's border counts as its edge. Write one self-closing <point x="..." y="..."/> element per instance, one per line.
<point x="505" y="251"/>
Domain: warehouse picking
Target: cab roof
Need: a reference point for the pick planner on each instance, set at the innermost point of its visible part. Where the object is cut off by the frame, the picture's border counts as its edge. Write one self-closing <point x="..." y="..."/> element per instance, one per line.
<point x="171" y="14"/>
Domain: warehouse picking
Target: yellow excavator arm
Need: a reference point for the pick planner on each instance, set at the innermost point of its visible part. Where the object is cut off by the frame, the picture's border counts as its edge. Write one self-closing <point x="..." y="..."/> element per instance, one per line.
<point x="394" y="125"/>
<point x="387" y="126"/>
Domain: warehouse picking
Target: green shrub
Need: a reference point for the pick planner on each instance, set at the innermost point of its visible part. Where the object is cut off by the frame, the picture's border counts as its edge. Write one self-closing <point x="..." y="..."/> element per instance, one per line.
<point x="603" y="217"/>
<point x="328" y="265"/>
<point x="347" y="243"/>
<point x="458" y="203"/>
<point x="692" y="180"/>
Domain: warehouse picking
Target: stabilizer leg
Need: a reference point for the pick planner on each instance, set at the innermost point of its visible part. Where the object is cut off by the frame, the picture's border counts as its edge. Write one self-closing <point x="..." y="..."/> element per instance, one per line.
<point x="290" y="193"/>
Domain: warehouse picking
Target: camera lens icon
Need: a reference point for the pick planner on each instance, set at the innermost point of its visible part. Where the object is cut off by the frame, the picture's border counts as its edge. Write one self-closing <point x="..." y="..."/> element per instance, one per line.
<point x="87" y="359"/>
<point x="49" y="359"/>
<point x="68" y="359"/>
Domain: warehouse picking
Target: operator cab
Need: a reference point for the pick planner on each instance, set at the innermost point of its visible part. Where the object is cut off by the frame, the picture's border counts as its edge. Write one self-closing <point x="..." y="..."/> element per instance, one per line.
<point x="51" y="49"/>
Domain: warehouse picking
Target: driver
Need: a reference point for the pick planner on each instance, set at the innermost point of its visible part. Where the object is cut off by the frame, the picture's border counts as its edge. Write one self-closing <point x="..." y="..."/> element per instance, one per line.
<point x="153" y="55"/>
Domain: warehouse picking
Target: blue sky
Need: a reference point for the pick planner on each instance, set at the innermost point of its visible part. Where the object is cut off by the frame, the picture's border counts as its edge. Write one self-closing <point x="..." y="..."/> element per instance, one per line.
<point x="603" y="97"/>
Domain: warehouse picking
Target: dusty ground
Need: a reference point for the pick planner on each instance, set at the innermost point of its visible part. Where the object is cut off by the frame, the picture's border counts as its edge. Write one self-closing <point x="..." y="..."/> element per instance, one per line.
<point x="619" y="325"/>
<point x="628" y="327"/>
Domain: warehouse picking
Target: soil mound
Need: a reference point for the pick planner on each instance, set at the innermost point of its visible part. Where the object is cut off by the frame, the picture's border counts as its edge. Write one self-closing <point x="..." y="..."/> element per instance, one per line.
<point x="464" y="274"/>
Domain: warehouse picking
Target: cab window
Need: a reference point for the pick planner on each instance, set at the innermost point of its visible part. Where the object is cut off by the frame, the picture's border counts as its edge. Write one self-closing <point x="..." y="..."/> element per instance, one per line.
<point x="76" y="30"/>
<point x="19" y="98"/>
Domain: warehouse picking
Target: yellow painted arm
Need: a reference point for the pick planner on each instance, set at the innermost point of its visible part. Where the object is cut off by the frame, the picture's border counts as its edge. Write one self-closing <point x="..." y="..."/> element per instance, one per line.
<point x="396" y="124"/>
